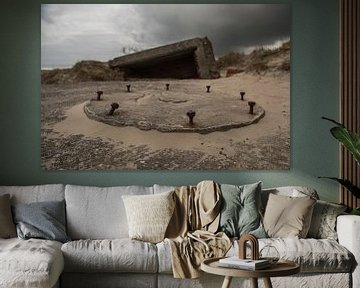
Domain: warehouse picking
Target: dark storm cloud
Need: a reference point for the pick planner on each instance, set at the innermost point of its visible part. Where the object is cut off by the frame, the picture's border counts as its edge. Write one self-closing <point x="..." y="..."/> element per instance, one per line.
<point x="229" y="27"/>
<point x="74" y="32"/>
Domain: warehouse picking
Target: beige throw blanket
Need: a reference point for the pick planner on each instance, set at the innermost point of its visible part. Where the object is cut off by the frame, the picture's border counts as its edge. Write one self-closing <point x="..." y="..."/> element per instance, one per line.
<point x="192" y="227"/>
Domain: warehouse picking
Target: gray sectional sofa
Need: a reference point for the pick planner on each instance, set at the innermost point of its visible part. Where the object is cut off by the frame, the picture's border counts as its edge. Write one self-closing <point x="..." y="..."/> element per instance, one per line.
<point x="101" y="254"/>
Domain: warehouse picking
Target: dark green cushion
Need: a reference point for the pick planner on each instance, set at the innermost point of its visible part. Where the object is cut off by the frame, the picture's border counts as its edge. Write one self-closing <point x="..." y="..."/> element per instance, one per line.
<point x="240" y="213"/>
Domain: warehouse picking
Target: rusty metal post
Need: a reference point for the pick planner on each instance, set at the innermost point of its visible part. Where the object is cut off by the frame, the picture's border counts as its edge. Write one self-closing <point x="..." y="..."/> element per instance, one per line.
<point x="242" y="95"/>
<point x="114" y="106"/>
<point x="99" y="93"/>
<point x="191" y="114"/>
<point x="251" y="104"/>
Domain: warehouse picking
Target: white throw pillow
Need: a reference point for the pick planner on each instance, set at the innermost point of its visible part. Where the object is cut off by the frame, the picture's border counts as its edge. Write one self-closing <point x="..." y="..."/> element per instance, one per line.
<point x="149" y="215"/>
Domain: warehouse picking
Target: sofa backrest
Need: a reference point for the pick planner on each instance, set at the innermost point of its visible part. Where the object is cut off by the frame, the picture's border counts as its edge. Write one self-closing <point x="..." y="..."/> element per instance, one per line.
<point x="162" y="188"/>
<point x="36" y="193"/>
<point x="293" y="191"/>
<point x="98" y="212"/>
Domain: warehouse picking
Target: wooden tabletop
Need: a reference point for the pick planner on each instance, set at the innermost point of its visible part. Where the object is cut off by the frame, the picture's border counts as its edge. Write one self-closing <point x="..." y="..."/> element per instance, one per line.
<point x="281" y="268"/>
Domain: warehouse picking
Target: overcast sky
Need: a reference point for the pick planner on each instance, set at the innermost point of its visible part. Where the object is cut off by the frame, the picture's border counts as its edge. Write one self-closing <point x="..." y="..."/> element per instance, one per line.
<point x="75" y="32"/>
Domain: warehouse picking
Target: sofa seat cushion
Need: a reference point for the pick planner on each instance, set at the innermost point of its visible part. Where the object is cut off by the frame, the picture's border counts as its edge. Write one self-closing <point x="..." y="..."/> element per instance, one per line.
<point x="115" y="255"/>
<point x="164" y="257"/>
<point x="30" y="263"/>
<point x="313" y="255"/>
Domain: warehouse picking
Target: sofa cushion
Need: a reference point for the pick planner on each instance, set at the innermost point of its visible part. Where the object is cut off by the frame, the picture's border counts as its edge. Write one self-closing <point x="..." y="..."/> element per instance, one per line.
<point x="30" y="263"/>
<point x="149" y="215"/>
<point x="287" y="216"/>
<point x="240" y="210"/>
<point x="163" y="188"/>
<point x="323" y="222"/>
<point x="313" y="255"/>
<point x="98" y="213"/>
<point x="43" y="220"/>
<point x="36" y="193"/>
<point x="117" y="255"/>
<point x="7" y="226"/>
<point x="164" y="257"/>
<point x="291" y="191"/>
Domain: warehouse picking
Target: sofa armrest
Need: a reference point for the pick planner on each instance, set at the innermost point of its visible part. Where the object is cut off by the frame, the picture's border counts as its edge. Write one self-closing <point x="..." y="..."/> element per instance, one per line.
<point x="348" y="230"/>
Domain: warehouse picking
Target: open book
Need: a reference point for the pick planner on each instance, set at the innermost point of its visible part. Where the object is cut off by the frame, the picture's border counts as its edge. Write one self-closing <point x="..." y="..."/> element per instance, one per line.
<point x="236" y="262"/>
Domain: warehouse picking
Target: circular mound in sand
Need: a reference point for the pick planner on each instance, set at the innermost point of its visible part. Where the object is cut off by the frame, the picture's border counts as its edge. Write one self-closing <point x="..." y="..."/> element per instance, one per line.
<point x="154" y="107"/>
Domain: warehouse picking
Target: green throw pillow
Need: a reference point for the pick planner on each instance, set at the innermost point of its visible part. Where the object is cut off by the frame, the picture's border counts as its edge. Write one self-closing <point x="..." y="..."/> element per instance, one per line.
<point x="240" y="212"/>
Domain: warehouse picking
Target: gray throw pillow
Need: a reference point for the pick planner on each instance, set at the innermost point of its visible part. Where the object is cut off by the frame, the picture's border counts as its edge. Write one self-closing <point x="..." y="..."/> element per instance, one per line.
<point x="323" y="222"/>
<point x="44" y="220"/>
<point x="240" y="213"/>
<point x="7" y="226"/>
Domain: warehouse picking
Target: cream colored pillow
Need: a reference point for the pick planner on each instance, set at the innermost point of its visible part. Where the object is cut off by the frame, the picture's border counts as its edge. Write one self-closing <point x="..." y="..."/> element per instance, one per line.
<point x="149" y="215"/>
<point x="288" y="217"/>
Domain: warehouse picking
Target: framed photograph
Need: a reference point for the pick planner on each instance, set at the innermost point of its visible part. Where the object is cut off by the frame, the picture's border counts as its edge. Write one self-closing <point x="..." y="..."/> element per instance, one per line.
<point x="165" y="86"/>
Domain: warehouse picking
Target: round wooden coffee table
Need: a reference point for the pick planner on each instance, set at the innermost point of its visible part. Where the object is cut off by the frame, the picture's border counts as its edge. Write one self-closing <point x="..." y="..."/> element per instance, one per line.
<point x="281" y="268"/>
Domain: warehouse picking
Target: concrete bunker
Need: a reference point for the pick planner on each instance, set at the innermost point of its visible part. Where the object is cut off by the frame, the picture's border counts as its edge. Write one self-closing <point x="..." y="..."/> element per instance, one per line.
<point x="193" y="58"/>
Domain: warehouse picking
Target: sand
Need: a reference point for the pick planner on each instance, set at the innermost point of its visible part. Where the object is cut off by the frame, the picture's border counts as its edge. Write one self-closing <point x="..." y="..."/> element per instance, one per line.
<point x="265" y="145"/>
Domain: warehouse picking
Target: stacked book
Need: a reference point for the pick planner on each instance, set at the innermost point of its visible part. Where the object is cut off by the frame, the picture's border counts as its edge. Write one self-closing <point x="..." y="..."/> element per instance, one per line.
<point x="248" y="264"/>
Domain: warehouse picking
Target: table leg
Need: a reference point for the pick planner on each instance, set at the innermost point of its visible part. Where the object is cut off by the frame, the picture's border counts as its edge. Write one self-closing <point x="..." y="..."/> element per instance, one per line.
<point x="267" y="283"/>
<point x="254" y="282"/>
<point x="227" y="282"/>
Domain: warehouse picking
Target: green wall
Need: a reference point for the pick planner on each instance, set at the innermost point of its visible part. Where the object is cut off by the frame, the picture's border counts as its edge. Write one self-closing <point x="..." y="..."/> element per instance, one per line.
<point x="314" y="93"/>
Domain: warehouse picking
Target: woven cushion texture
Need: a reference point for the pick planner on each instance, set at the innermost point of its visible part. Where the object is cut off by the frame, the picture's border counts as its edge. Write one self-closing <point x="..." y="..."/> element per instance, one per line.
<point x="149" y="215"/>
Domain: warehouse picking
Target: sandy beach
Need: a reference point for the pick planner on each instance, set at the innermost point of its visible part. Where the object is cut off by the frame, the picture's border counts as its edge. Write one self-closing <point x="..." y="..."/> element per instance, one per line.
<point x="69" y="136"/>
